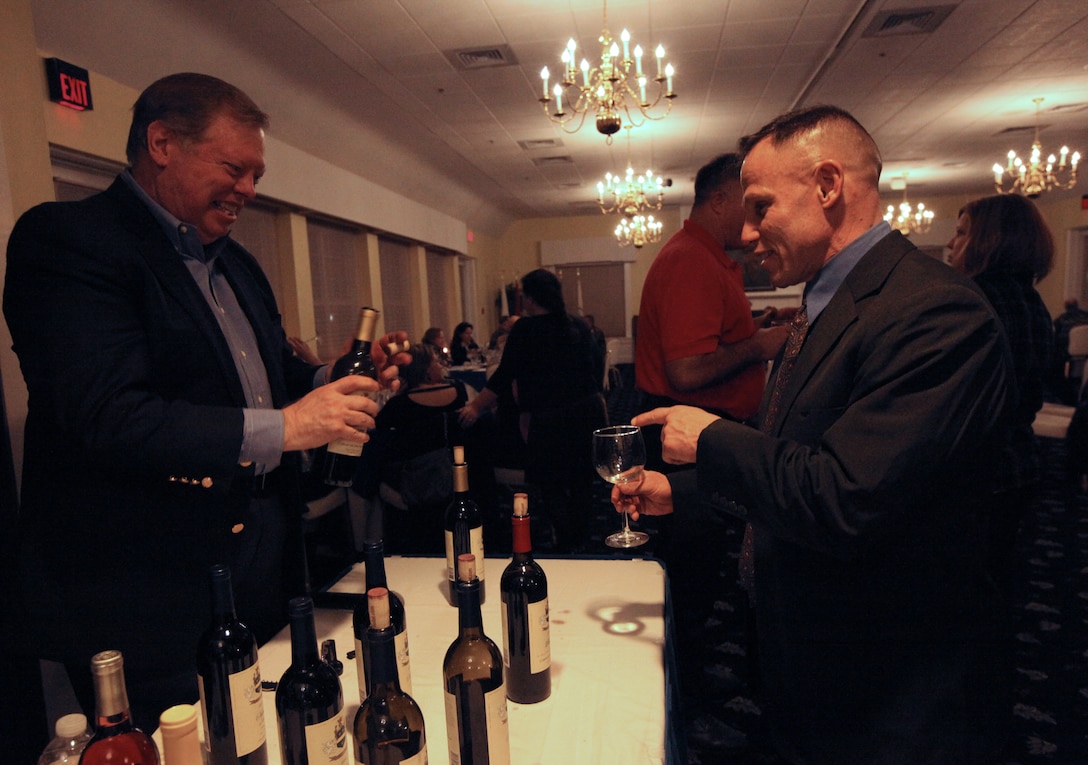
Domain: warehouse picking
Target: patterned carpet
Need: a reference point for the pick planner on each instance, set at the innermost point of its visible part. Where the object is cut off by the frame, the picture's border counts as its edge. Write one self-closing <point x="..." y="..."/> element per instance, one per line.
<point x="1049" y="719"/>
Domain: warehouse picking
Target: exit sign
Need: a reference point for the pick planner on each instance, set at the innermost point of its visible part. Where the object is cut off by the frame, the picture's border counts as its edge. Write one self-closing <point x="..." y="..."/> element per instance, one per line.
<point x="69" y="85"/>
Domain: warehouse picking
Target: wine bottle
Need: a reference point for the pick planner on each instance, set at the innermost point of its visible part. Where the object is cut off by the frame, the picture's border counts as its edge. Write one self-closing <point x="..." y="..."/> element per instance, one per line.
<point x="309" y="699"/>
<point x="472" y="680"/>
<point x="464" y="528"/>
<point x="526" y="637"/>
<point x="116" y="739"/>
<point x="342" y="456"/>
<point x="389" y="726"/>
<point x="180" y="741"/>
<point x="229" y="680"/>
<point x="374" y="558"/>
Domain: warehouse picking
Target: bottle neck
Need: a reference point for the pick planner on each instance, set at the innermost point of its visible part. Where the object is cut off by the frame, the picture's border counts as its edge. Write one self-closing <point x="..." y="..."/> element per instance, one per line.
<point x="383" y="658"/>
<point x="222" y="601"/>
<point x="111" y="700"/>
<point x="460" y="480"/>
<point x="523" y="544"/>
<point x="303" y="640"/>
<point x="374" y="559"/>
<point x="469" y="619"/>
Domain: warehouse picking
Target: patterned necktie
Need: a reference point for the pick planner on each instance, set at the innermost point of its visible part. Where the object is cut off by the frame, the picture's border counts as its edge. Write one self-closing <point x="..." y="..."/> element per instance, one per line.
<point x="746" y="570"/>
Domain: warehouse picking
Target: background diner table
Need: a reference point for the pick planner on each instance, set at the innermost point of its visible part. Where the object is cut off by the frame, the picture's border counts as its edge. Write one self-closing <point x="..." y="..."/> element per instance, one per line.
<point x="470" y="374"/>
<point x="610" y="699"/>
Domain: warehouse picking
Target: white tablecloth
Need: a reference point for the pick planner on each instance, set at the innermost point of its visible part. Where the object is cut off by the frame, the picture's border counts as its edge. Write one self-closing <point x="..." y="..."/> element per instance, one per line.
<point x="608" y="682"/>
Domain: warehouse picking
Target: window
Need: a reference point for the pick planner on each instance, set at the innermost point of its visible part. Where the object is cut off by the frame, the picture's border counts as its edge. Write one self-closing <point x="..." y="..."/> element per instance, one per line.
<point x="393" y="257"/>
<point x="334" y="270"/>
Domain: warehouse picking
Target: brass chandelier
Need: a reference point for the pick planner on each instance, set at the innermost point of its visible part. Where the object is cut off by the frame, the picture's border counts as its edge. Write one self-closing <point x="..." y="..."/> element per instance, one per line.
<point x="907" y="218"/>
<point x="617" y="90"/>
<point x="638" y="230"/>
<point x="631" y="194"/>
<point x="1033" y="177"/>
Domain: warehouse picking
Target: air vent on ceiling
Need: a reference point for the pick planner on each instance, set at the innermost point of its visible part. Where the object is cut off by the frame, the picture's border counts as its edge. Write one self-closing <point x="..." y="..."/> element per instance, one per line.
<point x="482" y="58"/>
<point x="540" y="143"/>
<point x="908" y="21"/>
<point x="553" y="161"/>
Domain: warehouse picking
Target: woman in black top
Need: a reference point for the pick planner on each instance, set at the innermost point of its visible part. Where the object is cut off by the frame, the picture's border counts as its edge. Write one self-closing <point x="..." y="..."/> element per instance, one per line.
<point x="462" y="344"/>
<point x="554" y="370"/>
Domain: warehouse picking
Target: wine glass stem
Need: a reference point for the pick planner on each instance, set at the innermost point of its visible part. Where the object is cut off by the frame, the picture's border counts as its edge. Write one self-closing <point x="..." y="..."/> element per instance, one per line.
<point x="626" y="523"/>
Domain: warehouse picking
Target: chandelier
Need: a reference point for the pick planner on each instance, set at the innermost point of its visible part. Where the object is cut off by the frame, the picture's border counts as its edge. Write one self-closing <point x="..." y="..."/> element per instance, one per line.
<point x="908" y="219"/>
<point x="631" y="194"/>
<point x="1034" y="177"/>
<point x="638" y="230"/>
<point x="614" y="90"/>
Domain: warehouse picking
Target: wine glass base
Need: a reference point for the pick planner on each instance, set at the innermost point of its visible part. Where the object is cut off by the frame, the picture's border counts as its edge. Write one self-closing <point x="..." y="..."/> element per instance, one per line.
<point x="625" y="539"/>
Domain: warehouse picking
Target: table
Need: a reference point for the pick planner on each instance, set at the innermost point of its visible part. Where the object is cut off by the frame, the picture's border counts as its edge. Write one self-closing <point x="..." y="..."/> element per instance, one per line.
<point x="608" y="701"/>
<point x="470" y="374"/>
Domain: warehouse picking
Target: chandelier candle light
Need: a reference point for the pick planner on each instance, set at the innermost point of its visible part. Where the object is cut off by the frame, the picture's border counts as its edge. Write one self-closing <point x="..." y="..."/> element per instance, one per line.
<point x="908" y="220"/>
<point x="638" y="231"/>
<point x="614" y="90"/>
<point x="1035" y="177"/>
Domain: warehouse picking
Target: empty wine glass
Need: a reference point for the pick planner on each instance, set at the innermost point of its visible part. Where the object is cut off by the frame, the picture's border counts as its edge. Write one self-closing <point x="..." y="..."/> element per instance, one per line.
<point x="619" y="454"/>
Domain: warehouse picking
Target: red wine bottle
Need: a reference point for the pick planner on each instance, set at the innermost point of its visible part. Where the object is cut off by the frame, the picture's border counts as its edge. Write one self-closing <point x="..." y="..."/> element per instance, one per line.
<point x="388" y="727"/>
<point x="464" y="528"/>
<point x="526" y="637"/>
<point x="116" y="739"/>
<point x="229" y="679"/>
<point x="342" y="456"/>
<point x="374" y="558"/>
<point x="309" y="699"/>
<point x="477" y="731"/>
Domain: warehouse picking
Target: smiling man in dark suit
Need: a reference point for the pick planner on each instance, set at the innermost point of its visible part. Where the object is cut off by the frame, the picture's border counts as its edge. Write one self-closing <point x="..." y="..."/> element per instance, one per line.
<point x="864" y="489"/>
<point x="166" y="408"/>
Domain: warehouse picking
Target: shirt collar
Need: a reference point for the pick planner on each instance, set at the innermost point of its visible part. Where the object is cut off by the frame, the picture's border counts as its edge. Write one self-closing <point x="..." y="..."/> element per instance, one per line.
<point x="822" y="288"/>
<point x="182" y="235"/>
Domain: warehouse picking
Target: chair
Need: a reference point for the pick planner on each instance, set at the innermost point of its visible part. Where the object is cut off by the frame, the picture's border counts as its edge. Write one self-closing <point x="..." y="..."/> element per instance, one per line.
<point x="1078" y="352"/>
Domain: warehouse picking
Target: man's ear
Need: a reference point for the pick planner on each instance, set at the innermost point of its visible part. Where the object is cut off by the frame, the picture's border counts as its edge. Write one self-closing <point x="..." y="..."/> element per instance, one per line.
<point x="160" y="143"/>
<point x="829" y="180"/>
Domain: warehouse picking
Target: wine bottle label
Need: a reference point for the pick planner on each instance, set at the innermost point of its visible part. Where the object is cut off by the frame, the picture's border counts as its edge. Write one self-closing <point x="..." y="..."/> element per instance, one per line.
<point x="404" y="667"/>
<point x="540" y="636"/>
<point x="247" y="708"/>
<point x="497" y="727"/>
<point x="347" y="448"/>
<point x="327" y="742"/>
<point x="360" y="669"/>
<point x="476" y="543"/>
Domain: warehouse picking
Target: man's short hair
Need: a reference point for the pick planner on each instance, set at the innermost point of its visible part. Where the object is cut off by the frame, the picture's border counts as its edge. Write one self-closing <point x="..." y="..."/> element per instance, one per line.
<point x="187" y="103"/>
<point x="715" y="174"/>
<point x="800" y="122"/>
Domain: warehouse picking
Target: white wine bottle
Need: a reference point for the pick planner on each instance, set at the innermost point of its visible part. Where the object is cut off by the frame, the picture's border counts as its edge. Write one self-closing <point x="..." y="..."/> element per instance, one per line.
<point x="388" y="727"/>
<point x="374" y="560"/>
<point x="342" y="456"/>
<point x="477" y="729"/>
<point x="464" y="528"/>
<point x="526" y="637"/>
<point x="229" y="680"/>
<point x="309" y="698"/>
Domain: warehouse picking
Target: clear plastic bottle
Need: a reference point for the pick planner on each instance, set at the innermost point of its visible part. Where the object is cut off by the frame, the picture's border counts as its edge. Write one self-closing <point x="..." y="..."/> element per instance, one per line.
<point x="71" y="736"/>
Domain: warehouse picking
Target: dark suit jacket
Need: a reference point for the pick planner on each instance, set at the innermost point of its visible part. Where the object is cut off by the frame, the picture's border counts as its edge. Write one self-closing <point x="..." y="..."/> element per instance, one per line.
<point x="131" y="484"/>
<point x="879" y="635"/>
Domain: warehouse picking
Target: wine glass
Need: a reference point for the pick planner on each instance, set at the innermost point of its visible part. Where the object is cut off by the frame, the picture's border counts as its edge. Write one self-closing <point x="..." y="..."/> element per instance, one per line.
<point x="619" y="454"/>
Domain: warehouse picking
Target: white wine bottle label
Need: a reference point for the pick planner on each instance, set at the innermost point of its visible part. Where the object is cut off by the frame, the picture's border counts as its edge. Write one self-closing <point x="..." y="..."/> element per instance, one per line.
<point x="404" y="666"/>
<point x="498" y="727"/>
<point x="346" y="448"/>
<point x="476" y="547"/>
<point x="540" y="637"/>
<point x="247" y="707"/>
<point x="327" y="742"/>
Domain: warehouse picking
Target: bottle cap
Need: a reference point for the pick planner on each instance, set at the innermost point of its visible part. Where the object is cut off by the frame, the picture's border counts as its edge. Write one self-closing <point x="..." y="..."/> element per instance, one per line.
<point x="104" y="662"/>
<point x="466" y="567"/>
<point x="178" y="720"/>
<point x="378" y="606"/>
<point x="70" y="726"/>
<point x="521" y="505"/>
<point x="459" y="455"/>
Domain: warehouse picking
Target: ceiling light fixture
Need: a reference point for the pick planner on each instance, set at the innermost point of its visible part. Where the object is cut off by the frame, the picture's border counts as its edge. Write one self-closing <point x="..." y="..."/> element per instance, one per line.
<point x="1035" y="177"/>
<point x="614" y="90"/>
<point x="908" y="219"/>
<point x="639" y="230"/>
<point x="630" y="194"/>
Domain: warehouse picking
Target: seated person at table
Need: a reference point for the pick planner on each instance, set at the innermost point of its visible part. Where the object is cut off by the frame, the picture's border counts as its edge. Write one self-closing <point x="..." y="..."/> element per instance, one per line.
<point x="463" y="346"/>
<point x="422" y="418"/>
<point x="435" y="339"/>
